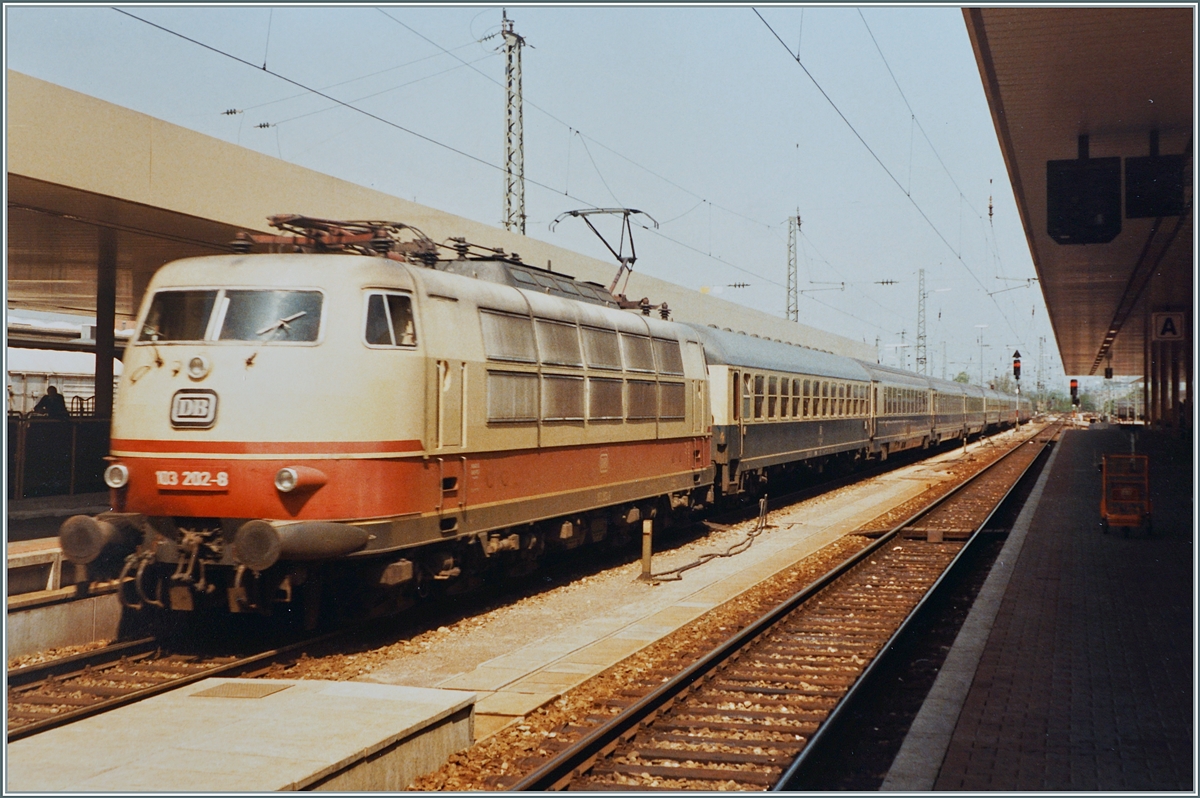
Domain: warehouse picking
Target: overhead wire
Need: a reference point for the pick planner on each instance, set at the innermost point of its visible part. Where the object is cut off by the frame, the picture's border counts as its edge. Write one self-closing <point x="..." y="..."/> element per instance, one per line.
<point x="584" y="139"/>
<point x="380" y="92"/>
<point x="329" y="86"/>
<point x="580" y="133"/>
<point x="421" y="136"/>
<point x="957" y="254"/>
<point x="475" y="158"/>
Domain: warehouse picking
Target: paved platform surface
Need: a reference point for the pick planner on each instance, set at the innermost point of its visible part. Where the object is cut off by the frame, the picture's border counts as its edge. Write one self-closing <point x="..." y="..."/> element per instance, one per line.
<point x="1084" y="677"/>
<point x="250" y="735"/>
<point x="31" y="519"/>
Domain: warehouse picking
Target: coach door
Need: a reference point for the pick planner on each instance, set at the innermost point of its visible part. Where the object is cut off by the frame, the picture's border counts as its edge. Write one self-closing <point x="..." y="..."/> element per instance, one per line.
<point x="874" y="409"/>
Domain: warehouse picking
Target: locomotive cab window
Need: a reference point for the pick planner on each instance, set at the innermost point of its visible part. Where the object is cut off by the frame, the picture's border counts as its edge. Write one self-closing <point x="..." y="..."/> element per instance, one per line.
<point x="389" y="320"/>
<point x="259" y="315"/>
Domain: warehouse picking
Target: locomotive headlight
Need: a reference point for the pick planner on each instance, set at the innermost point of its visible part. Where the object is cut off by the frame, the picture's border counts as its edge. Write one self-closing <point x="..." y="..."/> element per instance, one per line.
<point x="116" y="476"/>
<point x="286" y="479"/>
<point x="198" y="367"/>
<point x="299" y="478"/>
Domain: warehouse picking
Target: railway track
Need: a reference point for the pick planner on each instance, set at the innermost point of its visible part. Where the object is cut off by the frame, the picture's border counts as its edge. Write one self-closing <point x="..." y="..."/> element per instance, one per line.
<point x="54" y="693"/>
<point x="745" y="715"/>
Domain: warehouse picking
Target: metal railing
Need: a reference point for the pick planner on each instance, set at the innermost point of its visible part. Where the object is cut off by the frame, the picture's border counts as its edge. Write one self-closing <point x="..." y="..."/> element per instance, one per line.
<point x="53" y="457"/>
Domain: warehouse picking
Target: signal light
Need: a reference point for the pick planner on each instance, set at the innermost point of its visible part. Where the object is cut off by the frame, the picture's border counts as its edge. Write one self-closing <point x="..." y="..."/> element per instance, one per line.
<point x="1074" y="392"/>
<point x="1017" y="364"/>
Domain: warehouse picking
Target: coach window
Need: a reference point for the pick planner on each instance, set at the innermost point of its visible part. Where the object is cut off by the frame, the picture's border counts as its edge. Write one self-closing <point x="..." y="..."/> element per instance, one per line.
<point x="746" y="396"/>
<point x="507" y="337"/>
<point x="773" y="397"/>
<point x="807" y="406"/>
<point x="783" y="397"/>
<point x="737" y="405"/>
<point x="841" y="402"/>
<point x="795" y="398"/>
<point x="824" y="398"/>
<point x="390" y="320"/>
<point x="759" y="395"/>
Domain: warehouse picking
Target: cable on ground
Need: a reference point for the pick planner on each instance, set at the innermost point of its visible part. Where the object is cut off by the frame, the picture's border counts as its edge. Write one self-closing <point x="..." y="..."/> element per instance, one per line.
<point x="676" y="574"/>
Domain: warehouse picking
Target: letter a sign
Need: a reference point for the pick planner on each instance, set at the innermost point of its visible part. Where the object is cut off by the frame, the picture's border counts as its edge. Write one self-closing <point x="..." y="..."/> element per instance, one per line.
<point x="1168" y="326"/>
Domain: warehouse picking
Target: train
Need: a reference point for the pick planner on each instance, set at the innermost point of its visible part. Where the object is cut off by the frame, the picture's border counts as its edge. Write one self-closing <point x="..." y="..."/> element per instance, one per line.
<point x="359" y="417"/>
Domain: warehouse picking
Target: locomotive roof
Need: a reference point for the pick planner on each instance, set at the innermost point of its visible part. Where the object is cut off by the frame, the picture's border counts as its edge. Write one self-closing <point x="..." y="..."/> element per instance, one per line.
<point x="282" y="270"/>
<point x="502" y="297"/>
<point x="722" y="347"/>
<point x="530" y="278"/>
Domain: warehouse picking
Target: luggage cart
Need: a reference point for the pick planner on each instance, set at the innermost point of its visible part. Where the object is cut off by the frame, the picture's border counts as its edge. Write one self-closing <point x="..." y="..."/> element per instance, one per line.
<point x="1125" y="500"/>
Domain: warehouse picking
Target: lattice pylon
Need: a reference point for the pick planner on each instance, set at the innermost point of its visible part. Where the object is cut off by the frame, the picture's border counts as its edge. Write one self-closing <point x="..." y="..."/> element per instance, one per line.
<point x="514" y="135"/>
<point x="793" y="295"/>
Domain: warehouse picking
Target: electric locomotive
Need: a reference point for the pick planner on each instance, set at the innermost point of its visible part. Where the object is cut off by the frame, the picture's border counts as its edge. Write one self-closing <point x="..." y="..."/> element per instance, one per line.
<point x="293" y="424"/>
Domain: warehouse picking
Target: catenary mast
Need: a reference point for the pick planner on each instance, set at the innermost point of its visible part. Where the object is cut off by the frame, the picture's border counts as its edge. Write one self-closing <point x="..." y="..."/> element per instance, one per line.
<point x="514" y="136"/>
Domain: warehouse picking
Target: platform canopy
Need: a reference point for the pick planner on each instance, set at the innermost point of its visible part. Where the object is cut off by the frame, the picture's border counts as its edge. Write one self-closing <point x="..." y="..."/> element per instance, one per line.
<point x="1117" y="76"/>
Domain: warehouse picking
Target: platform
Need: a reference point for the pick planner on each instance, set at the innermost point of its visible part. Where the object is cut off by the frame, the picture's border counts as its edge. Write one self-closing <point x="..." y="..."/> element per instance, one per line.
<point x="1074" y="670"/>
<point x="541" y="666"/>
<point x="251" y="735"/>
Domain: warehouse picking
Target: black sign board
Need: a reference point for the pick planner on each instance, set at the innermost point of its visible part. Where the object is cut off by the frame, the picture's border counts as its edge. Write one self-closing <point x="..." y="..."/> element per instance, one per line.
<point x="1083" y="200"/>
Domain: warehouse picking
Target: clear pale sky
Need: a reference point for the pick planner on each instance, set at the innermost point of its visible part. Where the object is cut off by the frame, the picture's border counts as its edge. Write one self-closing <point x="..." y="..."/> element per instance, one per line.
<point x="698" y="116"/>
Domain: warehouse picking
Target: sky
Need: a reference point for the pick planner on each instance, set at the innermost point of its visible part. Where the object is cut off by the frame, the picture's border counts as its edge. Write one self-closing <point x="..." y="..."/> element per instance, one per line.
<point x="719" y="123"/>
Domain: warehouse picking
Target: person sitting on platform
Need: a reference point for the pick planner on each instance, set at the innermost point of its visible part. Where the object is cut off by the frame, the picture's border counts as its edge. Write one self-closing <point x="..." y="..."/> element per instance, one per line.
<point x="52" y="405"/>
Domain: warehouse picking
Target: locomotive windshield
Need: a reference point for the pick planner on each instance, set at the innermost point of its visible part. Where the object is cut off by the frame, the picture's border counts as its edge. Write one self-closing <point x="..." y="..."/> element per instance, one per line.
<point x="233" y="315"/>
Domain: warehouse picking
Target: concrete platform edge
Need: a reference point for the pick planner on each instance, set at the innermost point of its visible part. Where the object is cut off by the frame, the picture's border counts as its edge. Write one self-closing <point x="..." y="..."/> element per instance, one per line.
<point x="916" y="766"/>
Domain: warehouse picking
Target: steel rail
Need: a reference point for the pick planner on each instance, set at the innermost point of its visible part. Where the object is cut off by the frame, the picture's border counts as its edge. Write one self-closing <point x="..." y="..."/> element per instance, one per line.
<point x="28" y="674"/>
<point x="831" y="719"/>
<point x="229" y="668"/>
<point x="558" y="772"/>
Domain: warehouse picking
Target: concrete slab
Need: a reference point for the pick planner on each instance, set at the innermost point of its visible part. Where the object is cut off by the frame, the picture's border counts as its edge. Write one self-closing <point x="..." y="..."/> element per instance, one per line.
<point x="512" y="703"/>
<point x="307" y="735"/>
<point x="70" y="623"/>
<point x="485" y="677"/>
<point x="487" y="725"/>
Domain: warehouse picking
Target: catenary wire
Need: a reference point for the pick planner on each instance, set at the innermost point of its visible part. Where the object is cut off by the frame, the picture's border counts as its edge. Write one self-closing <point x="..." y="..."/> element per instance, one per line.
<point x="882" y="165"/>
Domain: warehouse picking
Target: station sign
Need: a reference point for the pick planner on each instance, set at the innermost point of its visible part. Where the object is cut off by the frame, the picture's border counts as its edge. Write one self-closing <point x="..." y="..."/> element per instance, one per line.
<point x="1168" y="326"/>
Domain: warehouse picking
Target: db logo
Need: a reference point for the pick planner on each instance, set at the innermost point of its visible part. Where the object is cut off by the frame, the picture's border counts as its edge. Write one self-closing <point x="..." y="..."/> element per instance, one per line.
<point x="194" y="408"/>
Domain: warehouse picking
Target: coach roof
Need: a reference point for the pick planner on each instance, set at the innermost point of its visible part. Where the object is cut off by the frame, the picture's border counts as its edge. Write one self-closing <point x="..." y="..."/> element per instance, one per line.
<point x="722" y="347"/>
